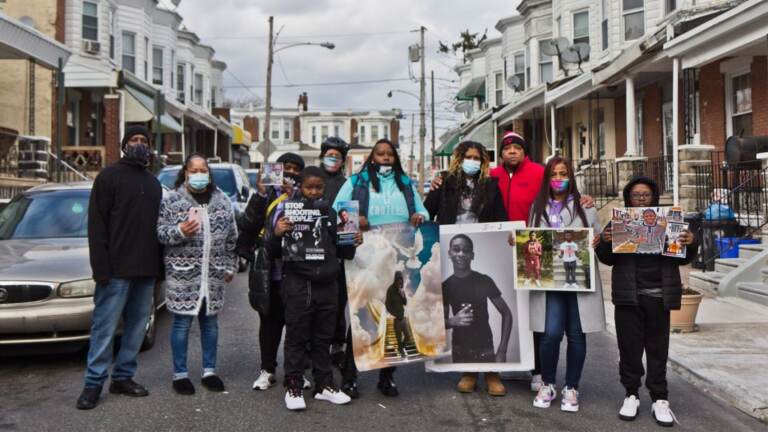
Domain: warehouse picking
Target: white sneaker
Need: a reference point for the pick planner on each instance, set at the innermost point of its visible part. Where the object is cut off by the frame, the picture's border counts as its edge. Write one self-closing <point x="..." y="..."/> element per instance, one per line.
<point x="333" y="395"/>
<point x="570" y="400"/>
<point x="264" y="381"/>
<point x="538" y="283"/>
<point x="628" y="411"/>
<point x="294" y="400"/>
<point x="307" y="383"/>
<point x="545" y="397"/>
<point x="536" y="383"/>
<point x="663" y="414"/>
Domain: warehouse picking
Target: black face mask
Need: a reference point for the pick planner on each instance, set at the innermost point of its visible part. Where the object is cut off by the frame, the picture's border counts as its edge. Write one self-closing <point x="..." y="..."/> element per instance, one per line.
<point x="138" y="153"/>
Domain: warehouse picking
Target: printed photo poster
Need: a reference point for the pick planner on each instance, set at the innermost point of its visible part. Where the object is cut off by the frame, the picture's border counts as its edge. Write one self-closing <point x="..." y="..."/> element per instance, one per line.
<point x="555" y="259"/>
<point x="487" y="321"/>
<point x="272" y="174"/>
<point x="304" y="241"/>
<point x="348" y="222"/>
<point x="395" y="296"/>
<point x="648" y="230"/>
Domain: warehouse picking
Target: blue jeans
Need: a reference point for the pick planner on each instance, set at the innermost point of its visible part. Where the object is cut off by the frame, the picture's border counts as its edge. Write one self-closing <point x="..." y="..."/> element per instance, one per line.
<point x="563" y="317"/>
<point x="209" y="339"/>
<point x="131" y="300"/>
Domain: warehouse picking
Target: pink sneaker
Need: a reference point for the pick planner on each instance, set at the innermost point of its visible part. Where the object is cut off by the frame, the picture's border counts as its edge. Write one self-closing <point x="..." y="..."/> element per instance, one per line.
<point x="545" y="396"/>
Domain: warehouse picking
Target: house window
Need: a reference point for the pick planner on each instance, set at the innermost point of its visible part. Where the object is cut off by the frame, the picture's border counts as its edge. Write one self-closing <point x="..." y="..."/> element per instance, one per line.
<point x="545" y="65"/>
<point x="157" y="65"/>
<point x="386" y="131"/>
<point x="671" y="5"/>
<point x="499" y="90"/>
<point x="741" y="101"/>
<point x="146" y="59"/>
<point x="633" y="12"/>
<point x="173" y="60"/>
<point x="112" y="26"/>
<point x="374" y="133"/>
<point x="199" y="89"/>
<point x="604" y="25"/>
<point x="323" y="132"/>
<point x="90" y="21"/>
<point x="287" y="130"/>
<point x="361" y="136"/>
<point x="601" y="131"/>
<point x="129" y="52"/>
<point x="314" y="134"/>
<point x="192" y="84"/>
<point x="520" y="70"/>
<point x="180" y="82"/>
<point x="581" y="29"/>
<point x="275" y="131"/>
<point x="527" y="66"/>
<point x="335" y="130"/>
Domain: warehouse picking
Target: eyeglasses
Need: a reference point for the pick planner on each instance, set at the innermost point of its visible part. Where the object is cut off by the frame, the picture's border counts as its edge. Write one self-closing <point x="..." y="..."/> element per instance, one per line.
<point x="641" y="196"/>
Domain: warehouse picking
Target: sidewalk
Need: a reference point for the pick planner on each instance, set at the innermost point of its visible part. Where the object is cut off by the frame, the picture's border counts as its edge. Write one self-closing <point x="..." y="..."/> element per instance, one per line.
<point x="728" y="355"/>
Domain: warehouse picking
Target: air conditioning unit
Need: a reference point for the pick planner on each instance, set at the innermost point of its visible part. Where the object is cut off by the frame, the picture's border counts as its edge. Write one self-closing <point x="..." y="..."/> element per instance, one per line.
<point x="91" y="46"/>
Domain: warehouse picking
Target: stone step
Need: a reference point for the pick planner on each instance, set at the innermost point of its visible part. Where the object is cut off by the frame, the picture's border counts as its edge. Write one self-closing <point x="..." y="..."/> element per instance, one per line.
<point x="747" y="251"/>
<point x="753" y="291"/>
<point x="705" y="281"/>
<point x="726" y="265"/>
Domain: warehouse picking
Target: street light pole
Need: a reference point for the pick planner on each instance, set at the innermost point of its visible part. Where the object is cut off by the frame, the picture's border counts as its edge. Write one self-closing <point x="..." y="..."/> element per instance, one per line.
<point x="422" y="125"/>
<point x="268" y="107"/>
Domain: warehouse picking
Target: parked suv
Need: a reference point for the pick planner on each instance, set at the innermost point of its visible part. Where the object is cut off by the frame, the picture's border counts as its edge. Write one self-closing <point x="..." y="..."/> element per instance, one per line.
<point x="46" y="285"/>
<point x="230" y="178"/>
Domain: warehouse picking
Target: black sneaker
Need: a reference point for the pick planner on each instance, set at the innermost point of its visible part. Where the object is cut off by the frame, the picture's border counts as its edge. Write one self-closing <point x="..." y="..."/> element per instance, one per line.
<point x="89" y="398"/>
<point x="183" y="386"/>
<point x="128" y="387"/>
<point x="213" y="383"/>
<point x="388" y="387"/>
<point x="350" y="388"/>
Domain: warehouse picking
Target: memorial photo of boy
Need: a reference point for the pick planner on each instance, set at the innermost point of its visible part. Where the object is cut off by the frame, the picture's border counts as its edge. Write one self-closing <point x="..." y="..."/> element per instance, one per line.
<point x="567" y="252"/>
<point x="532" y="252"/>
<point x="465" y="299"/>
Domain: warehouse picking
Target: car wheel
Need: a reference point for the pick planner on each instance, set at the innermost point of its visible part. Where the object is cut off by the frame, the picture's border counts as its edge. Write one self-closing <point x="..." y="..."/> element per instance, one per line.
<point x="151" y="330"/>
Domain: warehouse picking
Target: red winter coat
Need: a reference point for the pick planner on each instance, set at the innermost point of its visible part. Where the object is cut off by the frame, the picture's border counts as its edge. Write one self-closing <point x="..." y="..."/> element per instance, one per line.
<point x="519" y="190"/>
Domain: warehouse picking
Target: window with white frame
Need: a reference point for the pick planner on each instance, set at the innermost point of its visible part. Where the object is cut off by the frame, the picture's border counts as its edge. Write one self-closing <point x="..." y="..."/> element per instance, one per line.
<point x="192" y="83"/>
<point x="499" y="89"/>
<point x="581" y="29"/>
<point x="519" y="70"/>
<point x="111" y="18"/>
<point x="287" y="130"/>
<point x="173" y="63"/>
<point x="671" y="5"/>
<point x="274" y="130"/>
<point x="146" y="59"/>
<point x="527" y="66"/>
<point x="180" y="68"/>
<point x="633" y="14"/>
<point x="90" y="21"/>
<point x="361" y="136"/>
<point x="335" y="130"/>
<point x="199" y="89"/>
<point x="741" y="105"/>
<point x="129" y="52"/>
<point x="604" y="24"/>
<point x="545" y="65"/>
<point x="314" y="134"/>
<point x="386" y="131"/>
<point x="323" y="133"/>
<point x="374" y="133"/>
<point x="157" y="65"/>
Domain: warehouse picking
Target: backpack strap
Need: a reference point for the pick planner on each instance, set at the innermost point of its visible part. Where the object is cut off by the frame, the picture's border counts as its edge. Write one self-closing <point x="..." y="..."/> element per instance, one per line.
<point x="361" y="192"/>
<point x="270" y="208"/>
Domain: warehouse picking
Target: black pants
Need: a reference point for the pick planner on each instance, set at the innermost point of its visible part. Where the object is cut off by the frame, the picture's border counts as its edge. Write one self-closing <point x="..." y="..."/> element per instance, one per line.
<point x="349" y="373"/>
<point x="340" y="334"/>
<point x="643" y="328"/>
<point x="536" y="353"/>
<point x="310" y="318"/>
<point x="570" y="272"/>
<point x="401" y="333"/>
<point x="271" y="328"/>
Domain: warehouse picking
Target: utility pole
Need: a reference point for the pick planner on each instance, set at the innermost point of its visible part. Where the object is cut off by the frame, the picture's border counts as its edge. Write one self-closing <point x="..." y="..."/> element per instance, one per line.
<point x="268" y="107"/>
<point x="422" y="124"/>
<point x="432" y="78"/>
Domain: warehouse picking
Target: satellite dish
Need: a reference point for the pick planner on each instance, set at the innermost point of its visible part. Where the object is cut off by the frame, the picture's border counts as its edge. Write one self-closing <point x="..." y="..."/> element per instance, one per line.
<point x="513" y="82"/>
<point x="570" y="56"/>
<point x="576" y="53"/>
<point x="554" y="47"/>
<point x="582" y="49"/>
<point x="28" y="21"/>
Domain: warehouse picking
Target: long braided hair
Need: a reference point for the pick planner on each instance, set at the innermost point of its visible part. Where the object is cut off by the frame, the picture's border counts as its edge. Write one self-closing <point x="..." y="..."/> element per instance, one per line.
<point x="458" y="179"/>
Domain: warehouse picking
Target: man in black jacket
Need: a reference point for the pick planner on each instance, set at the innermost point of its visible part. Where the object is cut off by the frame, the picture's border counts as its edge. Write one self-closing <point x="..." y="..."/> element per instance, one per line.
<point x="644" y="288"/>
<point x="125" y="259"/>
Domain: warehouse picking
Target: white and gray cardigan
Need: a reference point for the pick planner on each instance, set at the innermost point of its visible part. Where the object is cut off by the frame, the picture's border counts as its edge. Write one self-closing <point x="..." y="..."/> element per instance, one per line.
<point x="195" y="266"/>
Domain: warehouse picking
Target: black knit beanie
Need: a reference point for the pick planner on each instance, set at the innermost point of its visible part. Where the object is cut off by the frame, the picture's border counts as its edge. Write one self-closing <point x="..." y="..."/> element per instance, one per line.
<point x="132" y="130"/>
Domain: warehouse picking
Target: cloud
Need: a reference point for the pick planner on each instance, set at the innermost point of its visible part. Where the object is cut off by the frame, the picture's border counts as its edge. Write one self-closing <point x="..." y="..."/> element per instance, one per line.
<point x="371" y="38"/>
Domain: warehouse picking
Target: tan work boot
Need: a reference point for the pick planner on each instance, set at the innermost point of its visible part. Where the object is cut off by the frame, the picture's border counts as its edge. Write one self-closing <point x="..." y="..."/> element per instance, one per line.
<point x="494" y="384"/>
<point x="467" y="383"/>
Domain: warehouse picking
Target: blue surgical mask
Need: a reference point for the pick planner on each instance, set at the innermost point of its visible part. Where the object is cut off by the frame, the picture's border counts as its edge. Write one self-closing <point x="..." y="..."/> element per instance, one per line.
<point x="470" y="167"/>
<point x="330" y="162"/>
<point x="199" y="181"/>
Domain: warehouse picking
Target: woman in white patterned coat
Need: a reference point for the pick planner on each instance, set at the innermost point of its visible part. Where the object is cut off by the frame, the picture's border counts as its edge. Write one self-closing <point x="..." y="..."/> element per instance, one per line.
<point x="197" y="227"/>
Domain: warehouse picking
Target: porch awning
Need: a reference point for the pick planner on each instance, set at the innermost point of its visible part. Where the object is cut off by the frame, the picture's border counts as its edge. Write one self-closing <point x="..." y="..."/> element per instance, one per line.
<point x="446" y="149"/>
<point x="475" y="89"/>
<point x="483" y="133"/>
<point x="22" y="42"/>
<point x="571" y="91"/>
<point x="140" y="107"/>
<point x="240" y="136"/>
<point x="522" y="107"/>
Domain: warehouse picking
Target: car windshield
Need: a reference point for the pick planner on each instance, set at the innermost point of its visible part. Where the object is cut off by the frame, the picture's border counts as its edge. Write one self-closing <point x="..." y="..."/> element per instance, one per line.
<point x="253" y="178"/>
<point x="223" y="177"/>
<point x="42" y="215"/>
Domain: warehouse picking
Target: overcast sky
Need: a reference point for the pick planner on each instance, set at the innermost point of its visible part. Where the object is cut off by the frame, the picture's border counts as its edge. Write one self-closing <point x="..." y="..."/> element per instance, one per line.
<point x="371" y="38"/>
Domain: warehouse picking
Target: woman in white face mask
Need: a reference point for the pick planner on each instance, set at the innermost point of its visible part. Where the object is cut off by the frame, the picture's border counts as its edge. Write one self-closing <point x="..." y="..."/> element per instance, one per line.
<point x="197" y="227"/>
<point x="333" y="154"/>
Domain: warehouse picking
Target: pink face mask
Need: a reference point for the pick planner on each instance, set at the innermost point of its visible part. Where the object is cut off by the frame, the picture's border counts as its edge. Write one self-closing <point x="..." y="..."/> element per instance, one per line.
<point x="558" y="185"/>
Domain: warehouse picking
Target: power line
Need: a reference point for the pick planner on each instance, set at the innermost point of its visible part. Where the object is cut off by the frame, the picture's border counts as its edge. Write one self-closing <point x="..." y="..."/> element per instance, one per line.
<point x="243" y="85"/>
<point x="323" y="84"/>
<point x="332" y="35"/>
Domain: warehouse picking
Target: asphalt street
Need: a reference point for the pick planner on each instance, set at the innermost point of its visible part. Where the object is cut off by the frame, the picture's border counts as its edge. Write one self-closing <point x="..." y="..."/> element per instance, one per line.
<point x="38" y="393"/>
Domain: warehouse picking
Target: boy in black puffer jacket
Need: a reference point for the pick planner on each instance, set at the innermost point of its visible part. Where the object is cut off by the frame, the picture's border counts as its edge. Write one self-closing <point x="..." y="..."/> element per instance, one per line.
<point x="310" y="295"/>
<point x="644" y="289"/>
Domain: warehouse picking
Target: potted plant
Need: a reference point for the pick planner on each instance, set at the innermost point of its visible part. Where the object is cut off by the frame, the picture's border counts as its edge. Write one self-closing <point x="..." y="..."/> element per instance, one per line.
<point x="684" y="319"/>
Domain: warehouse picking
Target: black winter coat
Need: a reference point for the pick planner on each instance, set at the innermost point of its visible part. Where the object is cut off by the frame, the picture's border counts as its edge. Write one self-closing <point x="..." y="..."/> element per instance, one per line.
<point x="333" y="183"/>
<point x="443" y="203"/>
<point x="252" y="221"/>
<point x="122" y="223"/>
<point x="624" y="276"/>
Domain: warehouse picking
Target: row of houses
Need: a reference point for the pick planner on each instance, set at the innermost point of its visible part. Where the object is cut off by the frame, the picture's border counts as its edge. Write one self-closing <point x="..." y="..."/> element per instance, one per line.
<point x="622" y="86"/>
<point x="123" y="62"/>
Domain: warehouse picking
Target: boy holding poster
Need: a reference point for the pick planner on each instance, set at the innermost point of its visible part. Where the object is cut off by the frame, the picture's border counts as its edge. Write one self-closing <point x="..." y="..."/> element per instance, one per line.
<point x="644" y="289"/>
<point x="309" y="287"/>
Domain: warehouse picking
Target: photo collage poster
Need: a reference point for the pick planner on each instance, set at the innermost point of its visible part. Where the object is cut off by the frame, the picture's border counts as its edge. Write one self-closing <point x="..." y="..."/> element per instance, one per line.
<point x="648" y="230"/>
<point x="554" y="259"/>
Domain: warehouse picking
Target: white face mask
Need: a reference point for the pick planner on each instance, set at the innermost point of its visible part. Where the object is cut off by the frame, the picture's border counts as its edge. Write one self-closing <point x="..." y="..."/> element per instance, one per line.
<point x="385" y="169"/>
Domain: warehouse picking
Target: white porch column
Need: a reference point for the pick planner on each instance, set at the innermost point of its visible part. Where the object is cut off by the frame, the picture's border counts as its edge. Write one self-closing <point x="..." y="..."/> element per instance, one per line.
<point x="675" y="130"/>
<point x="216" y="141"/>
<point x="631" y="118"/>
<point x="183" y="140"/>
<point x="533" y="49"/>
<point x="553" y="129"/>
